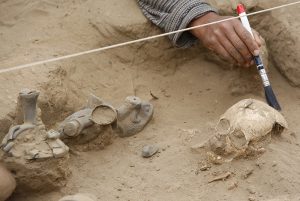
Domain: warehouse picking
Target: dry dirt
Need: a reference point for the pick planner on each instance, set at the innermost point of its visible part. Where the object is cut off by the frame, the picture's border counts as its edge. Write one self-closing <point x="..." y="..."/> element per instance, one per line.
<point x="192" y="92"/>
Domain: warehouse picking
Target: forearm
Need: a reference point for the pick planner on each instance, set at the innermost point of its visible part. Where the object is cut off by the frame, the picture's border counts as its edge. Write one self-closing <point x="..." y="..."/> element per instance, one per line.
<point x="172" y="15"/>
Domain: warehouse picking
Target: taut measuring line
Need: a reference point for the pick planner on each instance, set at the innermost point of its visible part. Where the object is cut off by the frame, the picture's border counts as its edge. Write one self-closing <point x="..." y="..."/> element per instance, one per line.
<point x="19" y="67"/>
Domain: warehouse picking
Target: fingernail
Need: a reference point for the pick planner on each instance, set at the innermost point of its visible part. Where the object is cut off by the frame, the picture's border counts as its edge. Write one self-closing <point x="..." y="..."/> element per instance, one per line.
<point x="256" y="53"/>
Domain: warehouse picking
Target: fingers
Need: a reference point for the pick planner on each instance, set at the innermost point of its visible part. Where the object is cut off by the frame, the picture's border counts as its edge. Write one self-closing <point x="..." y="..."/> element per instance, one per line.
<point x="230" y="39"/>
<point x="240" y="47"/>
<point x="246" y="37"/>
<point x="220" y="44"/>
<point x="257" y="37"/>
<point x="232" y="51"/>
<point x="213" y="43"/>
<point x="223" y="53"/>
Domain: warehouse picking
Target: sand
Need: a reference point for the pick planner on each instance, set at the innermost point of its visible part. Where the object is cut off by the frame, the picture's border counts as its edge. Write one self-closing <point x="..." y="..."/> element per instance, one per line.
<point x="192" y="94"/>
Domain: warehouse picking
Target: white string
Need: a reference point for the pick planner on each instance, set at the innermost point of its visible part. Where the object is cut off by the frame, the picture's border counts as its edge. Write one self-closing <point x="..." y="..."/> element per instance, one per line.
<point x="19" y="67"/>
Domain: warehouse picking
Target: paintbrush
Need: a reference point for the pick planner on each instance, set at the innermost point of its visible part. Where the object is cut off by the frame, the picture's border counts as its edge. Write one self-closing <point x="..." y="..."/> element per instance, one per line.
<point x="270" y="96"/>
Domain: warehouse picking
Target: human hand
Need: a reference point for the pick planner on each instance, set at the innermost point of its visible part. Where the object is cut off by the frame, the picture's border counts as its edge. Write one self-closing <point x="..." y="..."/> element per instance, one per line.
<point x="229" y="39"/>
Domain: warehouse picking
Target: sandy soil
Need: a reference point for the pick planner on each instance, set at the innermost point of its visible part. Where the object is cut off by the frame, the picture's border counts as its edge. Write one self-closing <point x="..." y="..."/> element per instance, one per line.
<point x="192" y="92"/>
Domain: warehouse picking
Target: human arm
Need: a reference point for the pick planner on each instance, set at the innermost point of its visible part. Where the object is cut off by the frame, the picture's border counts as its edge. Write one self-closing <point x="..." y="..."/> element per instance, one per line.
<point x="172" y="15"/>
<point x="230" y="40"/>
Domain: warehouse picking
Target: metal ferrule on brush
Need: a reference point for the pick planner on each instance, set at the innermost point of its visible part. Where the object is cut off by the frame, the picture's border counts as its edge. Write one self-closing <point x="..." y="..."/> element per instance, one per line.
<point x="262" y="71"/>
<point x="270" y="96"/>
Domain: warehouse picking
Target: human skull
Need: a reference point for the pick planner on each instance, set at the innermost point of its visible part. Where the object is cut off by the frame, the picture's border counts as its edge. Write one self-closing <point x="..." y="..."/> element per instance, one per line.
<point x="244" y="129"/>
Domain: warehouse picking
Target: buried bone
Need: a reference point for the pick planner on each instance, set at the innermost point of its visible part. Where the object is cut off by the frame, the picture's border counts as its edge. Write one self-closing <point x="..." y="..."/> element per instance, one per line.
<point x="244" y="130"/>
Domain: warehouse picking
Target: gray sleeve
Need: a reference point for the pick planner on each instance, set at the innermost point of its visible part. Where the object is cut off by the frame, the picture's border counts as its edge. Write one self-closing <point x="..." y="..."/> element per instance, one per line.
<point x="172" y="15"/>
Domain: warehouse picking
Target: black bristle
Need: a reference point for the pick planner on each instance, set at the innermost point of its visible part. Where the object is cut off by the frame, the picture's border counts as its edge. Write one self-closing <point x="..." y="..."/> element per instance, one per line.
<point x="271" y="98"/>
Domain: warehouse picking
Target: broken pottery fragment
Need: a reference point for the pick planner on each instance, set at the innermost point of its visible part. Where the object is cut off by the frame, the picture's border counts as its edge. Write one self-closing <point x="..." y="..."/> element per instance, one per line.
<point x="79" y="197"/>
<point x="98" y="119"/>
<point x="33" y="131"/>
<point x="76" y="123"/>
<point x="28" y="101"/>
<point x="133" y="116"/>
<point x="244" y="130"/>
<point x="103" y="115"/>
<point x="96" y="112"/>
<point x="90" y="127"/>
<point x="38" y="162"/>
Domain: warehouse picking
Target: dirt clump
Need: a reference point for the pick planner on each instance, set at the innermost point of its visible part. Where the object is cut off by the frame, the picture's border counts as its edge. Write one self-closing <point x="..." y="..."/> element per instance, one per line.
<point x="39" y="176"/>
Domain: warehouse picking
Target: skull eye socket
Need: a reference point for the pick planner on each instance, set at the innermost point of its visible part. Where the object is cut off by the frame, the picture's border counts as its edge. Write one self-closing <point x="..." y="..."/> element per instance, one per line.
<point x="223" y="127"/>
<point x="238" y="139"/>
